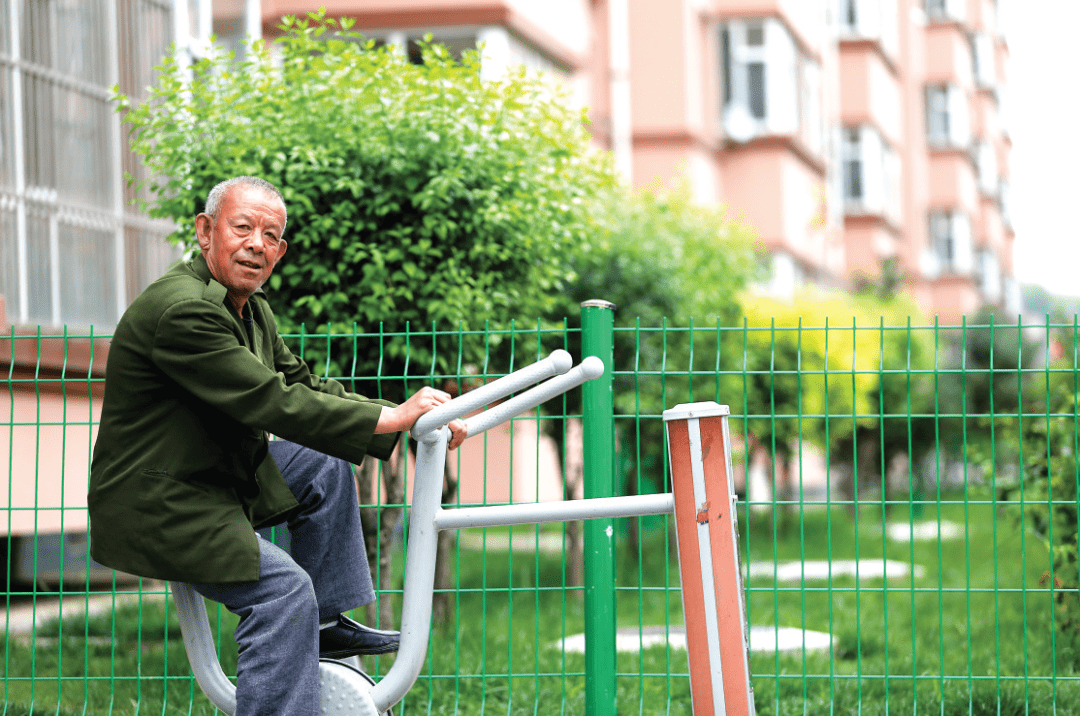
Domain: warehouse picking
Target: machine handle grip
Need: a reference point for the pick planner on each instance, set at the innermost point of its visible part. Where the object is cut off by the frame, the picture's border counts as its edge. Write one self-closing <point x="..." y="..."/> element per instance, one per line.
<point x="589" y="369"/>
<point x="555" y="364"/>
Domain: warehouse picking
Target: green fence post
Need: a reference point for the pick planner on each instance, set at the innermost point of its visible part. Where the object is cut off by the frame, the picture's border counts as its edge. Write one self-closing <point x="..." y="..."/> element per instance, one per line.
<point x="598" y="410"/>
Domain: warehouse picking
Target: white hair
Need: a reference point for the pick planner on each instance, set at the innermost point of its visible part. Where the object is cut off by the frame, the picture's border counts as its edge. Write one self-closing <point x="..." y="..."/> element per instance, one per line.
<point x="217" y="194"/>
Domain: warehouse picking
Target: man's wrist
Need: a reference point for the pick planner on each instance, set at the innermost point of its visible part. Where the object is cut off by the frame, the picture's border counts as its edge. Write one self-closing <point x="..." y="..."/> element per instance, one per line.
<point x="388" y="422"/>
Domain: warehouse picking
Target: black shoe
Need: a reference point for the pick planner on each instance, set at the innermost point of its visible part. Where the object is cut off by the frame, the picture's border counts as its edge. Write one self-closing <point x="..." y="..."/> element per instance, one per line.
<point x="349" y="638"/>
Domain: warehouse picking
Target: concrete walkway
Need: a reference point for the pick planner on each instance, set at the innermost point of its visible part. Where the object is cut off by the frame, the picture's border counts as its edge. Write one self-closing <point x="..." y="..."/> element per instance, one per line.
<point x="763" y="639"/>
<point x="26" y="614"/>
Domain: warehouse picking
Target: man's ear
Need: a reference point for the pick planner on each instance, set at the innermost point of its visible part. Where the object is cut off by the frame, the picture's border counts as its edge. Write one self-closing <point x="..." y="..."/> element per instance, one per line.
<point x="203" y="225"/>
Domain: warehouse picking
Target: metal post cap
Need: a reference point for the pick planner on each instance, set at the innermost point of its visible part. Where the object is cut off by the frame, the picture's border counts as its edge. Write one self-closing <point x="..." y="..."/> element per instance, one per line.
<point x="598" y="303"/>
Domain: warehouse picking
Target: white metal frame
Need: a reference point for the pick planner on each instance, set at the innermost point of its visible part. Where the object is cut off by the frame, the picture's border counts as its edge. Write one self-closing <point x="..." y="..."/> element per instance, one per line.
<point x="348" y="691"/>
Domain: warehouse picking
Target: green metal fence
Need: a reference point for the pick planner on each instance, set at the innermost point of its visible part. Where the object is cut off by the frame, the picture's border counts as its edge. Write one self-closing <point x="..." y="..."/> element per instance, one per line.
<point x="909" y="527"/>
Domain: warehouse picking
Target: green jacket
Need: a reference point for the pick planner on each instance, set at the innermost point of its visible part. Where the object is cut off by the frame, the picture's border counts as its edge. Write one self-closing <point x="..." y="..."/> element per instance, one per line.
<point x="181" y="475"/>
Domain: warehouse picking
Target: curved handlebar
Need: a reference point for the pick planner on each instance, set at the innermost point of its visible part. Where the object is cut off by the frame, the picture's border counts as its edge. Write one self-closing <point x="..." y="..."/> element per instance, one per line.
<point x="589" y="369"/>
<point x="199" y="644"/>
<point x="555" y="364"/>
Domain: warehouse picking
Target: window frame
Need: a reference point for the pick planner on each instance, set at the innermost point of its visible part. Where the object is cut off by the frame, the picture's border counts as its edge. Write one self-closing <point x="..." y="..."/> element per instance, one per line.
<point x="65" y="231"/>
<point x="879" y="169"/>
<point x="771" y="88"/>
<point x="950" y="243"/>
<point x="875" y="20"/>
<point x="948" y="119"/>
<point x="987" y="168"/>
<point x="983" y="63"/>
<point x="991" y="280"/>
<point x="944" y="10"/>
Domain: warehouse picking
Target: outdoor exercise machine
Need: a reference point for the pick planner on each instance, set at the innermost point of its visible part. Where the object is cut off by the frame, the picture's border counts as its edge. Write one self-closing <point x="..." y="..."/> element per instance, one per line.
<point x="703" y="501"/>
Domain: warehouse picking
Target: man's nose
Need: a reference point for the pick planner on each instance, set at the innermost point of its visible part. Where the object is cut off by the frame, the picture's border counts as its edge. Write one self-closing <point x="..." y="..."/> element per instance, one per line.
<point x="255" y="242"/>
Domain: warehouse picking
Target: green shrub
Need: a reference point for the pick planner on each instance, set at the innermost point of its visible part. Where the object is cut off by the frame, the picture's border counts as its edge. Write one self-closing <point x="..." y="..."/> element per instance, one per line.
<point x="417" y="194"/>
<point x="1047" y="488"/>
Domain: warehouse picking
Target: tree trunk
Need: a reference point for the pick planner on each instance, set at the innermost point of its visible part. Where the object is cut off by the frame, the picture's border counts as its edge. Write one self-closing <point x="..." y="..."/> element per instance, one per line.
<point x="442" y="603"/>
<point x="575" y="473"/>
<point x="381" y="527"/>
<point x="633" y="532"/>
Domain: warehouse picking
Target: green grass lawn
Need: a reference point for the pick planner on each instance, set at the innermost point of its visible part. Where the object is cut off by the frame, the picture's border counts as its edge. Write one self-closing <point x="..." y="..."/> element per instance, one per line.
<point x="972" y="633"/>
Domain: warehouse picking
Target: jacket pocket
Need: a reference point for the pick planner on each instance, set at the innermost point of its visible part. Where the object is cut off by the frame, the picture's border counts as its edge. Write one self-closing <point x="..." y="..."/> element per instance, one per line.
<point x="193" y="529"/>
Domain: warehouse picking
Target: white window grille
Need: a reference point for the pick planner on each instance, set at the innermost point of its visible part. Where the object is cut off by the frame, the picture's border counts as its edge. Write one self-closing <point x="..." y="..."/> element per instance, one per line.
<point x="950" y="243"/>
<point x="503" y="50"/>
<point x="870" y="20"/>
<point x="785" y="276"/>
<point x="986" y="162"/>
<point x="990" y="283"/>
<point x="65" y="226"/>
<point x="871" y="170"/>
<point x="945" y="10"/>
<point x="1013" y="298"/>
<point x="1004" y="201"/>
<point x="770" y="87"/>
<point x="982" y="59"/>
<point x="854" y="170"/>
<point x="1003" y="105"/>
<point x="948" y="123"/>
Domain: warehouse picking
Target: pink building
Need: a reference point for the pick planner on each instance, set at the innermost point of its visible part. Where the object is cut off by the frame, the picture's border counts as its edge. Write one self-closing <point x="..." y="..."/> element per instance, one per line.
<point x="847" y="132"/>
<point x="850" y="133"/>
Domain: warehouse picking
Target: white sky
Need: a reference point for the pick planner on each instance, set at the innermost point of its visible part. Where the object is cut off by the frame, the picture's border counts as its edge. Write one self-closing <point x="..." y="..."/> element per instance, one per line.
<point x="1044" y="122"/>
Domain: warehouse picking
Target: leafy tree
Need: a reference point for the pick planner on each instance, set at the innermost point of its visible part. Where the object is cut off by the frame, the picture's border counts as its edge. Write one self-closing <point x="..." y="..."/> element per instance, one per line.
<point x="1036" y="465"/>
<point x="839" y="371"/>
<point x="660" y="257"/>
<point x="416" y="193"/>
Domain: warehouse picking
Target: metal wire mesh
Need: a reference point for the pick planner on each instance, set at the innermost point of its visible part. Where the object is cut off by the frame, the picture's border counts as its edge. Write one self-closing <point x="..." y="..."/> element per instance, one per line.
<point x="909" y="527"/>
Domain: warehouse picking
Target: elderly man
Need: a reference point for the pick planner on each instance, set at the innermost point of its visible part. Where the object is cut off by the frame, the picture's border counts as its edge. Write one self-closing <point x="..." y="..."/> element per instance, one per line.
<point x="183" y="473"/>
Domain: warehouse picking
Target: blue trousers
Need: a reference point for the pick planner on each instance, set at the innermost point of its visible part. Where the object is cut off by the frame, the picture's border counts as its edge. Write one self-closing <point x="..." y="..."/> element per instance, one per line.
<point x="325" y="574"/>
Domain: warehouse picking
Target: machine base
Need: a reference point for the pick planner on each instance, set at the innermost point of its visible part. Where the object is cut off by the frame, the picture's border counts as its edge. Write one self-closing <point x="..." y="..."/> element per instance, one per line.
<point x="346" y="690"/>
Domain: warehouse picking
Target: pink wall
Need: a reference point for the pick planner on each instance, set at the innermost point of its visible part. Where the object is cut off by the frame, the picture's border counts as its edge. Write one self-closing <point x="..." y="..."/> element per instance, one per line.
<point x="987" y="228"/>
<point x="753" y="178"/>
<point x="915" y="166"/>
<point x="658" y="75"/>
<point x="952" y="181"/>
<point x="871" y="93"/>
<point x="953" y="297"/>
<point x="948" y="55"/>
<point x="982" y="14"/>
<point x="867" y="241"/>
<point x="48" y="449"/>
<point x="805" y="18"/>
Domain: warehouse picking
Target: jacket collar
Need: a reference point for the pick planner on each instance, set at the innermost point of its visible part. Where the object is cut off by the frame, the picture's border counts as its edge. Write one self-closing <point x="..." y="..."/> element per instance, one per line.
<point x="200" y="268"/>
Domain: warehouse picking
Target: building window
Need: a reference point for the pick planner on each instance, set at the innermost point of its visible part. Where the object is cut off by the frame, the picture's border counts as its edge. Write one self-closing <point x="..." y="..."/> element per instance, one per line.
<point x="990" y="283"/>
<point x="771" y="87"/>
<point x="1004" y="196"/>
<point x="503" y="51"/>
<point x="947" y="120"/>
<point x="945" y="10"/>
<point x="786" y="275"/>
<point x="870" y="20"/>
<point x="950" y="244"/>
<point x="1012" y="295"/>
<point x="853" y="167"/>
<point x="982" y="59"/>
<point x="986" y="162"/>
<point x="1003" y="104"/>
<point x="871" y="171"/>
<point x="64" y="208"/>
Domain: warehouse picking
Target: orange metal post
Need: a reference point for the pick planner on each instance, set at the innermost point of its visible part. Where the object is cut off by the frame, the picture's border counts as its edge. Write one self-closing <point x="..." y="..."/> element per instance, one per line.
<point x="714" y="607"/>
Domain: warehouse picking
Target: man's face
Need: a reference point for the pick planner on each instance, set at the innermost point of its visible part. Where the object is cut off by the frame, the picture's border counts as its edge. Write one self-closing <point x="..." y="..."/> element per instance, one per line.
<point x="244" y="243"/>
